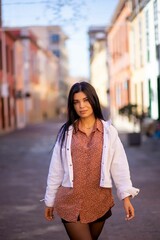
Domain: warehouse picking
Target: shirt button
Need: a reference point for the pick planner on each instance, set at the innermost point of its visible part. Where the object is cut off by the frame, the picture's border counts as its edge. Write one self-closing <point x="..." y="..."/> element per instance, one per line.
<point x="70" y="165"/>
<point x="67" y="148"/>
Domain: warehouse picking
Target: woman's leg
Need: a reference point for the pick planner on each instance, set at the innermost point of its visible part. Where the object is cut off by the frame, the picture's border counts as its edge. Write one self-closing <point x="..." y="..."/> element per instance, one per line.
<point x="96" y="229"/>
<point x="78" y="231"/>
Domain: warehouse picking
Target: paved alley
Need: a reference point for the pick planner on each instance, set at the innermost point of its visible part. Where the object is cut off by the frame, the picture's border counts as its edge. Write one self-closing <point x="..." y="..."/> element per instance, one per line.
<point x="24" y="161"/>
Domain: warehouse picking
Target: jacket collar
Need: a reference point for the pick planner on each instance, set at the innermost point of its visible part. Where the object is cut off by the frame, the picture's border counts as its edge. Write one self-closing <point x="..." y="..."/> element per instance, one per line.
<point x="106" y="125"/>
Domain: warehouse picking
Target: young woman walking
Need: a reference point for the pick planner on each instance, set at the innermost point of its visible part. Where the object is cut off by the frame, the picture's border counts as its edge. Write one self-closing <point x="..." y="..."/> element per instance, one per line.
<point x="87" y="153"/>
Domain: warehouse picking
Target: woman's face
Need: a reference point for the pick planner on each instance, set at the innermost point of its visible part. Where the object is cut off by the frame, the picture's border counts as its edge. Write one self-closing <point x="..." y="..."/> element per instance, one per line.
<point x="82" y="106"/>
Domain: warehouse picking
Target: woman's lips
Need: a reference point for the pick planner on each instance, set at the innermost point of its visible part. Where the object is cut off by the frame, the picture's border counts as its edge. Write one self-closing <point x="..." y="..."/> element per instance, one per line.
<point x="83" y="112"/>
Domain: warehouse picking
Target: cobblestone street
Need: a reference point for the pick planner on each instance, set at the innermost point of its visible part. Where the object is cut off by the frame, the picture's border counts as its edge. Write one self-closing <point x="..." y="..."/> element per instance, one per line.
<point x="24" y="161"/>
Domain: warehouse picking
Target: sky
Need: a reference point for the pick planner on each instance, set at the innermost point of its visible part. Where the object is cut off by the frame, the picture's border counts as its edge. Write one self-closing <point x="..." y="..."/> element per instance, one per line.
<point x="75" y="17"/>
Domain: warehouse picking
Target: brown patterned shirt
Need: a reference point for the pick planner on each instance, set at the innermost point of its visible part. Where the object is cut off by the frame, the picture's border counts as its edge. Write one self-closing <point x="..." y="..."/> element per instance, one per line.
<point x="86" y="199"/>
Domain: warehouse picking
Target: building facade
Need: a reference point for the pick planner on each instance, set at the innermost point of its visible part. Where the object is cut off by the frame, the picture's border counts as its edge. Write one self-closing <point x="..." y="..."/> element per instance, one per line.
<point x="19" y="85"/>
<point x="29" y="80"/>
<point x="145" y="57"/>
<point x="98" y="65"/>
<point x="7" y="80"/>
<point x="152" y="65"/>
<point x="54" y="40"/>
<point x="119" y="58"/>
<point x="40" y="78"/>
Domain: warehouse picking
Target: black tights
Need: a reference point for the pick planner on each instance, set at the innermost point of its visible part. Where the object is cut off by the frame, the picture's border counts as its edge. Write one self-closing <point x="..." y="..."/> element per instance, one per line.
<point x="83" y="231"/>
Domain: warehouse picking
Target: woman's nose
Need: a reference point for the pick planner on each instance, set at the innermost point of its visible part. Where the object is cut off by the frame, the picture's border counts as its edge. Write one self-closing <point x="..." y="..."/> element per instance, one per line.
<point x="81" y="104"/>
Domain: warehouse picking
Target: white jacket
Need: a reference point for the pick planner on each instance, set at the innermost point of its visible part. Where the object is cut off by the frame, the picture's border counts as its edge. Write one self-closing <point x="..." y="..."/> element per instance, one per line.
<point x="113" y="164"/>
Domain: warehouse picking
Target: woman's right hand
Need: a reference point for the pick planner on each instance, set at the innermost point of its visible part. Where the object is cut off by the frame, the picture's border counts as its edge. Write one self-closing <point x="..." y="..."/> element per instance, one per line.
<point x="49" y="213"/>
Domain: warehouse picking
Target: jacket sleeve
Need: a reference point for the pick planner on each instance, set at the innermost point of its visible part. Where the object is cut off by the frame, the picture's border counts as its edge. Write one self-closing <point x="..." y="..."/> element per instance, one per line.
<point x="55" y="176"/>
<point x="120" y="171"/>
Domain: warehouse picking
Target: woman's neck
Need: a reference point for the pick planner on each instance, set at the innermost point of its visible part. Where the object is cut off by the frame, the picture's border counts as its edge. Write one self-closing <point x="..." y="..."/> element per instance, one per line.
<point x="87" y="123"/>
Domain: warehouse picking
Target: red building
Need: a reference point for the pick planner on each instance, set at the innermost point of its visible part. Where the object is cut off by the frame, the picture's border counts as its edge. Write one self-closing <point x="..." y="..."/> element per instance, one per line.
<point x="7" y="82"/>
<point x="119" y="58"/>
<point x="28" y="80"/>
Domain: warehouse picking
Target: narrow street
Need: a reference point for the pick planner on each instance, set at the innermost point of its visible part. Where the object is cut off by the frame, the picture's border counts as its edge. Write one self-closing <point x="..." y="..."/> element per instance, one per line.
<point x="24" y="161"/>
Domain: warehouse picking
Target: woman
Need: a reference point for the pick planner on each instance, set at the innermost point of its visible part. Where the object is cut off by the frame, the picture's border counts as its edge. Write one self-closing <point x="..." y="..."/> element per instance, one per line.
<point x="87" y="153"/>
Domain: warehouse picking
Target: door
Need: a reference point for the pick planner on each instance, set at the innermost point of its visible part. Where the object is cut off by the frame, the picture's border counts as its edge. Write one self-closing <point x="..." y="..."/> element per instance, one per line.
<point x="150" y="98"/>
<point x="158" y="94"/>
<point x="2" y="113"/>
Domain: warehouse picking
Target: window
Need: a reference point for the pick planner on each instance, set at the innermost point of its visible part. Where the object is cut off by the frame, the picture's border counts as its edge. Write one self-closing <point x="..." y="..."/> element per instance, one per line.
<point x="57" y="53"/>
<point x="55" y="38"/>
<point x="2" y="113"/>
<point x="148" y="55"/>
<point x="7" y="57"/>
<point x="9" y="112"/>
<point x="155" y="6"/>
<point x="134" y="48"/>
<point x="158" y="51"/>
<point x="156" y="33"/>
<point x="12" y="61"/>
<point x="147" y="19"/>
<point x="156" y="30"/>
<point x="150" y="98"/>
<point x="118" y="95"/>
<point x="147" y="36"/>
<point x="0" y="55"/>
<point x="140" y="42"/>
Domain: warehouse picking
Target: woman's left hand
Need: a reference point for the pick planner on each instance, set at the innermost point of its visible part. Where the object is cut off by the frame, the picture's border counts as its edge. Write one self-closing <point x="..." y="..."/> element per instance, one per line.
<point x="129" y="209"/>
<point x="49" y="213"/>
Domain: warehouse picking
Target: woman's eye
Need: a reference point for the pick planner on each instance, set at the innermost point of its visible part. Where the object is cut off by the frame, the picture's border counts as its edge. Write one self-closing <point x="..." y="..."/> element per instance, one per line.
<point x="75" y="102"/>
<point x="86" y="99"/>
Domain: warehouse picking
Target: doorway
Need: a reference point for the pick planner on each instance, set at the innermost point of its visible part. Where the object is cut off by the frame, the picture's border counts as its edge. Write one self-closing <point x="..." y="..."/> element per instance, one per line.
<point x="150" y="98"/>
<point x="2" y="113"/>
<point x="158" y="94"/>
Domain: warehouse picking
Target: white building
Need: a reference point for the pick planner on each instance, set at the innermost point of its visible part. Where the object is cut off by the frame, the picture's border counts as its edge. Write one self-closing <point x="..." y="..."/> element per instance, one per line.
<point x="152" y="65"/>
<point x="98" y="65"/>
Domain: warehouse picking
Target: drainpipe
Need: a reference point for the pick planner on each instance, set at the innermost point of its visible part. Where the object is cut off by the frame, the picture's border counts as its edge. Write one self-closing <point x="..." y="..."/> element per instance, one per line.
<point x="159" y="54"/>
<point x="0" y="14"/>
<point x="159" y="42"/>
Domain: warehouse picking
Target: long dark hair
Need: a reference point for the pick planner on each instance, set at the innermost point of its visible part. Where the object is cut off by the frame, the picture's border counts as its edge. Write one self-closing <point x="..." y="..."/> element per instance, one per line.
<point x="72" y="116"/>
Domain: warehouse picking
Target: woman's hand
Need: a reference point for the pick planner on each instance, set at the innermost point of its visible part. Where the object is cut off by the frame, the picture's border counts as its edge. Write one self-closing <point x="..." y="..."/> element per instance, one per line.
<point x="49" y="213"/>
<point x="129" y="210"/>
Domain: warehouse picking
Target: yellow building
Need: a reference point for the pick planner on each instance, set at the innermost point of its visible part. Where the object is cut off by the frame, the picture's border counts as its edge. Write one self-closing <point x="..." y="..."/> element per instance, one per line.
<point x="98" y="66"/>
<point x="53" y="39"/>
